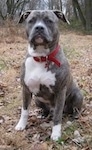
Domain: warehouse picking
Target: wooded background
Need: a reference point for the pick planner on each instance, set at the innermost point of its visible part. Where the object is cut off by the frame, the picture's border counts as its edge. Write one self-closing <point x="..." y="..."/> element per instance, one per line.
<point x="78" y="11"/>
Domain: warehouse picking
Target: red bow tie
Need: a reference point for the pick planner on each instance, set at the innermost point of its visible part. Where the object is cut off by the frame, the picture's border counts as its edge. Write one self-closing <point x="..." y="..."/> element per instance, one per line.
<point x="50" y="57"/>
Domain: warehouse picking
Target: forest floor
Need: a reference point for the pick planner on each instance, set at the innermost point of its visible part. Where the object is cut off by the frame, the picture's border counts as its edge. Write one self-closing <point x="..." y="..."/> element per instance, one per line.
<point x="77" y="134"/>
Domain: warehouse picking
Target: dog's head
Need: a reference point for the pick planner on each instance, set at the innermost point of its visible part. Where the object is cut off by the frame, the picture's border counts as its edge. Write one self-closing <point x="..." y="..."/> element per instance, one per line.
<point x="42" y="28"/>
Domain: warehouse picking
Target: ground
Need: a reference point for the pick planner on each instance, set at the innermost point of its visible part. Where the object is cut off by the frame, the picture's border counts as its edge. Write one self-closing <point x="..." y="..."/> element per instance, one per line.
<point x="77" y="134"/>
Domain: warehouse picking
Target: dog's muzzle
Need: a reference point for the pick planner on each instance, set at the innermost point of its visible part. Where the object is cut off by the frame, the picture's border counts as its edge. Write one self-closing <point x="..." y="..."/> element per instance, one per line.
<point x="40" y="36"/>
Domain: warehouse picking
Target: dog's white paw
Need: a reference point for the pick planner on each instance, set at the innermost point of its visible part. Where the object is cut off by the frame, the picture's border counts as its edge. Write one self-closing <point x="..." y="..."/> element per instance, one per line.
<point x="21" y="125"/>
<point x="55" y="137"/>
<point x="56" y="132"/>
<point x="23" y="120"/>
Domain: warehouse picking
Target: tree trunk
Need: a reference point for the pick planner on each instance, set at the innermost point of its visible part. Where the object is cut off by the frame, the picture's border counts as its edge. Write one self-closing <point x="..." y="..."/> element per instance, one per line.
<point x="88" y="8"/>
<point x="80" y="12"/>
<point x="75" y="10"/>
<point x="60" y="1"/>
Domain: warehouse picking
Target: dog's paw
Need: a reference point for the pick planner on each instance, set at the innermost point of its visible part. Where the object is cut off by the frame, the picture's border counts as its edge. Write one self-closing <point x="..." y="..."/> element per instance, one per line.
<point x="23" y="120"/>
<point x="21" y="125"/>
<point x="56" y="132"/>
<point x="55" y="137"/>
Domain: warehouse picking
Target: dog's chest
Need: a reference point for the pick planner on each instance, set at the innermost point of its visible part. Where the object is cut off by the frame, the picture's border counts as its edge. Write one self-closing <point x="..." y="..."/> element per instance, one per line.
<point x="36" y="74"/>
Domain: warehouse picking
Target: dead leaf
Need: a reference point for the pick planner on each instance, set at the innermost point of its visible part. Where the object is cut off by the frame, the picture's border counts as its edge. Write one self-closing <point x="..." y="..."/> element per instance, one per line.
<point x="37" y="146"/>
<point x="2" y="119"/>
<point x="74" y="148"/>
<point x="33" y="119"/>
<point x="3" y="88"/>
<point x="89" y="72"/>
<point x="45" y="125"/>
<point x="5" y="147"/>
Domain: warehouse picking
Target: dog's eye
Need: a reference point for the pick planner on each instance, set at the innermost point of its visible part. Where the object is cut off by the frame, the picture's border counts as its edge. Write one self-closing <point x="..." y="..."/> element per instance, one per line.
<point x="49" y="21"/>
<point x="32" y="20"/>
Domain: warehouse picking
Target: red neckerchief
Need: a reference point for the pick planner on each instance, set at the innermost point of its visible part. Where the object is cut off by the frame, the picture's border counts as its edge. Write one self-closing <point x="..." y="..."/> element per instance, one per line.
<point x="50" y="57"/>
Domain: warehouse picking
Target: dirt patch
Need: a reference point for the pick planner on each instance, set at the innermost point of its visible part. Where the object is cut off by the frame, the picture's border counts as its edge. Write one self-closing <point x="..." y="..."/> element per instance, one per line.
<point x="13" y="46"/>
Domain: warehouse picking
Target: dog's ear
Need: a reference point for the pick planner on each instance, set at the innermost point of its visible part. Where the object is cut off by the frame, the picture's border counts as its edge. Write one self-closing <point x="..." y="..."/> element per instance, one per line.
<point x="24" y="16"/>
<point x="61" y="16"/>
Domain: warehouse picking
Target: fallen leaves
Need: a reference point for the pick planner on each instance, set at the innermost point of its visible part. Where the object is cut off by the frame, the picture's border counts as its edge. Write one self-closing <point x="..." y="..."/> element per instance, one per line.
<point x="3" y="88"/>
<point x="41" y="146"/>
<point x="38" y="129"/>
<point x="2" y="119"/>
<point x="5" y="147"/>
<point x="89" y="71"/>
<point x="78" y="139"/>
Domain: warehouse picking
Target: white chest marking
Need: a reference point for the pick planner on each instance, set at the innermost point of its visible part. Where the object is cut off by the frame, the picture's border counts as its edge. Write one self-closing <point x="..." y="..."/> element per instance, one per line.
<point x="36" y="74"/>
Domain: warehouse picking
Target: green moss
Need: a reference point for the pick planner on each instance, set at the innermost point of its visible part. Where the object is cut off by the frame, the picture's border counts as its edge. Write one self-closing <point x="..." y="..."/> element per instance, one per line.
<point x="71" y="53"/>
<point x="2" y="64"/>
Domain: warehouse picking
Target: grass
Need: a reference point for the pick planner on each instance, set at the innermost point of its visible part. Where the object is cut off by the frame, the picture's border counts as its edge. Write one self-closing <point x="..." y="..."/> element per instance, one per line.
<point x="2" y="64"/>
<point x="71" y="53"/>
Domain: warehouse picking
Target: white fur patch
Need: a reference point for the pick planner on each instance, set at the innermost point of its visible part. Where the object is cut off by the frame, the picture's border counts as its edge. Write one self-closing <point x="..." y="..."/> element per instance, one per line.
<point x="23" y="120"/>
<point x="56" y="132"/>
<point x="36" y="74"/>
<point x="39" y="52"/>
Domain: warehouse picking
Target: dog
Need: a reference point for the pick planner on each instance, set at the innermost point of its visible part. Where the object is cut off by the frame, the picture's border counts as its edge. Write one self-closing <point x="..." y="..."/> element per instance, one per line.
<point x="46" y="72"/>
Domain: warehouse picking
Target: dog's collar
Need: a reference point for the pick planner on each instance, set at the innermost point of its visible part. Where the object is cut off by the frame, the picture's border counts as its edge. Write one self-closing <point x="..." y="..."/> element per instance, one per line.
<point x="50" y="57"/>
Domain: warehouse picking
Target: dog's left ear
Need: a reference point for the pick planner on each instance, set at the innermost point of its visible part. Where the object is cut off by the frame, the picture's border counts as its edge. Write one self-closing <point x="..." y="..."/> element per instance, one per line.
<point x="61" y="16"/>
<point x="24" y="16"/>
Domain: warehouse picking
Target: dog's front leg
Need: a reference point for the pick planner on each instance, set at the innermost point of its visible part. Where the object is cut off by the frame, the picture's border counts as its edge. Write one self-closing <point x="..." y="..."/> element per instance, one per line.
<point x="57" y="120"/>
<point x="27" y="96"/>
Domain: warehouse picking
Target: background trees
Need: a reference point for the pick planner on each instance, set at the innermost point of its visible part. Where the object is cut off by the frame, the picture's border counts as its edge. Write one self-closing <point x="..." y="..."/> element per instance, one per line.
<point x="83" y="11"/>
<point x="11" y="8"/>
<point x="79" y="10"/>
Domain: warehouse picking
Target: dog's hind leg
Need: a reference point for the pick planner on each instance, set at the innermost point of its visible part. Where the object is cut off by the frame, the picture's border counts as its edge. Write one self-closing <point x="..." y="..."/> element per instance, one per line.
<point x="27" y="96"/>
<point x="73" y="104"/>
<point x="77" y="103"/>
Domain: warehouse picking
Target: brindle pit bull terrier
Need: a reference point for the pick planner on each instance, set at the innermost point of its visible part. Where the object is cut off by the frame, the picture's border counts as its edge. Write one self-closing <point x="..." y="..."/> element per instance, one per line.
<point x="46" y="72"/>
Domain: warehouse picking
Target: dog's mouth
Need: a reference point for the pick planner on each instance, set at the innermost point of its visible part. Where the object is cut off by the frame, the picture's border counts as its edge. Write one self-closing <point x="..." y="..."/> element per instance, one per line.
<point x="40" y="43"/>
<point x="39" y="39"/>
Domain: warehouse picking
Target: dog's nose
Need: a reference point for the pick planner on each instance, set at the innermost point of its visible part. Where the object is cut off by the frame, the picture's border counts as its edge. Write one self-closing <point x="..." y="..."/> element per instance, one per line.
<point x="39" y="28"/>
